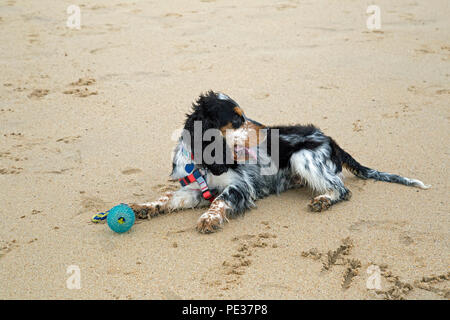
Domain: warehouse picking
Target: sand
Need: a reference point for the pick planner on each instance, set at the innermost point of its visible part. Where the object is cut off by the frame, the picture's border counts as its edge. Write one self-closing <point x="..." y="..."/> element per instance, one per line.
<point x="86" y="122"/>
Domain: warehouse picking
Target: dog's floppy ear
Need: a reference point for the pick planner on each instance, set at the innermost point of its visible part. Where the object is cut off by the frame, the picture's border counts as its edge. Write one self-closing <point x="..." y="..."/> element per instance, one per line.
<point x="201" y="112"/>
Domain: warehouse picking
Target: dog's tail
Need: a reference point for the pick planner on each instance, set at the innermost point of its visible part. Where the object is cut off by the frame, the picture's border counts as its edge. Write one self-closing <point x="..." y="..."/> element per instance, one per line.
<point x="363" y="172"/>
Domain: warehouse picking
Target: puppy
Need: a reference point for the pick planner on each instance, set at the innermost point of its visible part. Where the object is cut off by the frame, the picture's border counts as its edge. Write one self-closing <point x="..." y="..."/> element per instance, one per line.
<point x="225" y="161"/>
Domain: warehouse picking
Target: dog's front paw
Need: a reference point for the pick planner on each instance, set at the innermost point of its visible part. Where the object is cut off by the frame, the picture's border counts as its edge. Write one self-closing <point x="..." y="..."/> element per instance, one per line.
<point x="320" y="203"/>
<point x="209" y="222"/>
<point x="140" y="211"/>
<point x="146" y="211"/>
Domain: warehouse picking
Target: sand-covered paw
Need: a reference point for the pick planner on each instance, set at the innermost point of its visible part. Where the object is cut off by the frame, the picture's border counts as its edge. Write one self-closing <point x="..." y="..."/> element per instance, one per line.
<point x="209" y="222"/>
<point x="140" y="212"/>
<point x="319" y="204"/>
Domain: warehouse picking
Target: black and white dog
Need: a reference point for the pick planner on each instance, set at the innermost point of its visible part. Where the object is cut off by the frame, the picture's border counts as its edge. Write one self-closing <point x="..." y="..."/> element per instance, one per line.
<point x="241" y="170"/>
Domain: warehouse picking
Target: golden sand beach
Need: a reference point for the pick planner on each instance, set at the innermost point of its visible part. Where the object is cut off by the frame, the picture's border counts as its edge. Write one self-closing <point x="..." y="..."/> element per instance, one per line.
<point x="87" y="119"/>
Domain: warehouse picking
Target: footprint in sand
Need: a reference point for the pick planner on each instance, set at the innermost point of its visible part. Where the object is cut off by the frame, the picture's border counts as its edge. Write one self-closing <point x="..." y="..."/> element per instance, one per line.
<point x="189" y="66"/>
<point x="125" y="4"/>
<point x="407" y="16"/>
<point x="69" y="139"/>
<point x="6" y="110"/>
<point x="7" y="246"/>
<point x="173" y="15"/>
<point x="13" y="135"/>
<point x="365" y="225"/>
<point x="405" y="111"/>
<point x="129" y="171"/>
<point x="94" y="51"/>
<point x="261" y="96"/>
<point x="443" y="51"/>
<point x="285" y="6"/>
<point x="357" y="126"/>
<point x="92" y="204"/>
<point x="6" y="155"/>
<point x="328" y="87"/>
<point x="38" y="93"/>
<point x="434" y="284"/>
<point x="398" y="290"/>
<point x="375" y="35"/>
<point x="34" y="211"/>
<point x="443" y="91"/>
<point x="166" y="187"/>
<point x="32" y="38"/>
<point x="97" y="7"/>
<point x="429" y="91"/>
<point x="169" y="294"/>
<point x="11" y="170"/>
<point x="424" y="50"/>
<point x="235" y="267"/>
<point x="83" y="82"/>
<point x="20" y="89"/>
<point x="82" y="92"/>
<point x="406" y="239"/>
<point x="337" y="257"/>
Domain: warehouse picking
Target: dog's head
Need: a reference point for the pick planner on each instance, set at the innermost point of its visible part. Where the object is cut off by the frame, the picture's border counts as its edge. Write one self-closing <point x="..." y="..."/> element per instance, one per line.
<point x="236" y="132"/>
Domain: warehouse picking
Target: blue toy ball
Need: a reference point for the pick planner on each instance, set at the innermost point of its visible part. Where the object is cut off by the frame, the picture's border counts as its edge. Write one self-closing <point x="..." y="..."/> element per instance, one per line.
<point x="120" y="218"/>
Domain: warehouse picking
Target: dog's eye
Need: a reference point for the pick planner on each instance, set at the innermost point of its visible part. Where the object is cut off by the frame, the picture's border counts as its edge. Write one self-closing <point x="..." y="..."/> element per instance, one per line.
<point x="237" y="121"/>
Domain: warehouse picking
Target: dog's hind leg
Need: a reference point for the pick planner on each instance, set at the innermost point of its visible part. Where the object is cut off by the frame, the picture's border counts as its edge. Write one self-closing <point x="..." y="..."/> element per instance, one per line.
<point x="321" y="174"/>
<point x="170" y="201"/>
<point x="324" y="201"/>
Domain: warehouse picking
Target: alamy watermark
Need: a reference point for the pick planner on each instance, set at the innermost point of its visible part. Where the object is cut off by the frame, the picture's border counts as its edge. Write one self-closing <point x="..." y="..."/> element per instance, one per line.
<point x="74" y="280"/>
<point x="374" y="279"/>
<point x="74" y="19"/>
<point x="374" y="20"/>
